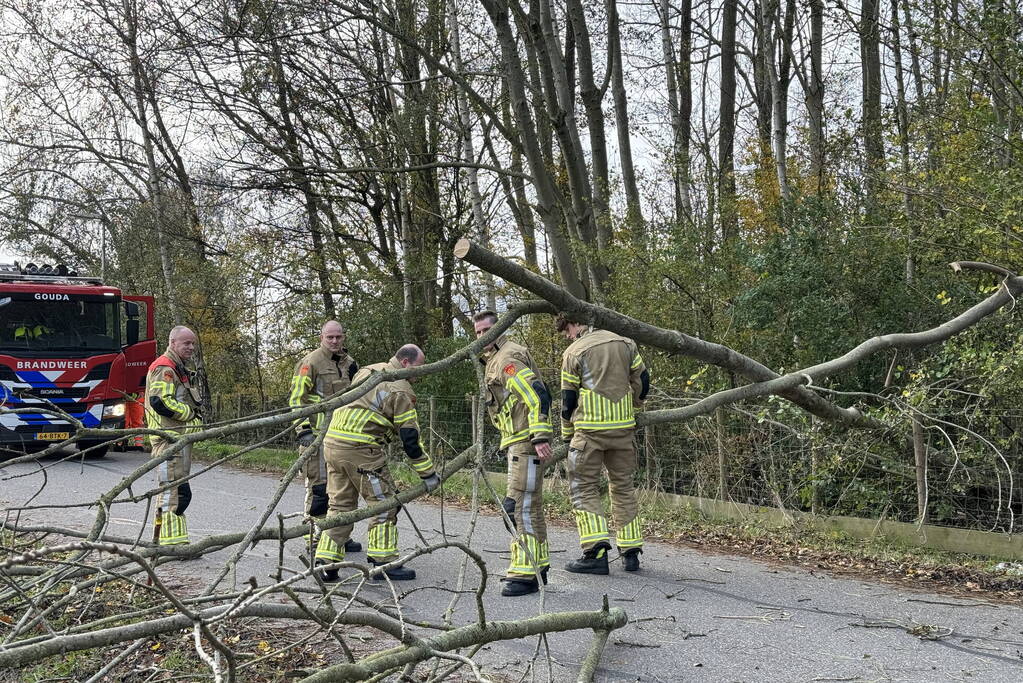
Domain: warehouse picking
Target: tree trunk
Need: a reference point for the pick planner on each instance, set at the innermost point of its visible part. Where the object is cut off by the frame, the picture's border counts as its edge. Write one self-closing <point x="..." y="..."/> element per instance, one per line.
<point x="726" y="135"/>
<point x="677" y="79"/>
<point x="873" y="145"/>
<point x="547" y="201"/>
<point x="633" y="210"/>
<point x="815" y="95"/>
<point x="153" y="178"/>
<point x="902" y="117"/>
<point x="469" y="155"/>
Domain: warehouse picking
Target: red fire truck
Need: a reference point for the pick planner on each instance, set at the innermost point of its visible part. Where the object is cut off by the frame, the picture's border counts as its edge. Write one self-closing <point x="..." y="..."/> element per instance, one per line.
<point x="74" y="342"/>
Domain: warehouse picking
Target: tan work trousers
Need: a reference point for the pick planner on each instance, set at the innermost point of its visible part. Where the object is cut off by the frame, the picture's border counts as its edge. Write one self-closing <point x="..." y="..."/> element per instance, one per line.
<point x="315" y="471"/>
<point x="180" y="465"/>
<point x="589" y="453"/>
<point x="355" y="471"/>
<point x="524" y="505"/>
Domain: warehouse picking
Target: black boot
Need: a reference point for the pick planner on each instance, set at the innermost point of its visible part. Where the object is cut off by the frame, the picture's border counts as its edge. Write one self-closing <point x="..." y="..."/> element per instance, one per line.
<point x="353" y="546"/>
<point x="630" y="559"/>
<point x="326" y="575"/>
<point x="519" y="586"/>
<point x="399" y="573"/>
<point x="593" y="561"/>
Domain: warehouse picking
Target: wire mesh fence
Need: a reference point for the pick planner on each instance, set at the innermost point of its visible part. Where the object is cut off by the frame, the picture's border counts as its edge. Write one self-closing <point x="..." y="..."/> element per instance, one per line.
<point x="970" y="479"/>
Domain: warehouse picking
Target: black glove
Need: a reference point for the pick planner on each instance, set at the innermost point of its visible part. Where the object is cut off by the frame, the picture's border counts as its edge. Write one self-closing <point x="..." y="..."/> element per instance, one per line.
<point x="432" y="482"/>
<point x="306" y="438"/>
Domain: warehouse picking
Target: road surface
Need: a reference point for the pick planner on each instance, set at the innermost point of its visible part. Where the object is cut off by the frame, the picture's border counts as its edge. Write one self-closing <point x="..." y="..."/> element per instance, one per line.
<point x="695" y="617"/>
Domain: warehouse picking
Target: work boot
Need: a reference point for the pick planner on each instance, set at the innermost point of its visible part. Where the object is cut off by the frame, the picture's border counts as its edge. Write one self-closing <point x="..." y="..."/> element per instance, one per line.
<point x="353" y="546"/>
<point x="519" y="586"/>
<point x="399" y="573"/>
<point x="593" y="561"/>
<point x="326" y="575"/>
<point x="630" y="559"/>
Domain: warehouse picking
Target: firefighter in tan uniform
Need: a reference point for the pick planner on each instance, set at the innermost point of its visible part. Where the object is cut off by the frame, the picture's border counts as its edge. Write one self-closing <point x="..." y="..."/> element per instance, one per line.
<point x="357" y="463"/>
<point x="603" y="381"/>
<point x="519" y="405"/>
<point x="172" y="403"/>
<point x="320" y="374"/>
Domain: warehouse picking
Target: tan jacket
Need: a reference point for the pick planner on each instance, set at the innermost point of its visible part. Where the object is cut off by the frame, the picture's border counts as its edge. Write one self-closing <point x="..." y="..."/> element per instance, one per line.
<point x="171" y="400"/>
<point x="387" y="409"/>
<point x="605" y="369"/>
<point x="517" y="409"/>
<point x="318" y="375"/>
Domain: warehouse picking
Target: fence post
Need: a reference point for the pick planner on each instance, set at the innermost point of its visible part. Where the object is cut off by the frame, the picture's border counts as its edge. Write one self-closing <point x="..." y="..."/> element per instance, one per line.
<point x="472" y="415"/>
<point x="920" y="456"/>
<point x="239" y="413"/>
<point x="433" y="411"/>
<point x="720" y="439"/>
<point x="814" y="466"/>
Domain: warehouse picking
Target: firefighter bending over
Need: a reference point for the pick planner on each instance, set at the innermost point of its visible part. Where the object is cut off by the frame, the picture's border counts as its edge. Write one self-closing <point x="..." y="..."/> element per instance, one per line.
<point x="172" y="403"/>
<point x="603" y="381"/>
<point x="357" y="463"/>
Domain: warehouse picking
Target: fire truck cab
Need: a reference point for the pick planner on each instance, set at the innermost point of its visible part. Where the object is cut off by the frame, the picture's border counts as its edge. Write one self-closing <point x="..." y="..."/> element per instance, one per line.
<point x="70" y="343"/>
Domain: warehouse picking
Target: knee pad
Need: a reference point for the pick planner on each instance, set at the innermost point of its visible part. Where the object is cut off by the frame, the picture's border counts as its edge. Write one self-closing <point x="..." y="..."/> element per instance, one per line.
<point x="318" y="501"/>
<point x="184" y="498"/>
<point x="509" y="506"/>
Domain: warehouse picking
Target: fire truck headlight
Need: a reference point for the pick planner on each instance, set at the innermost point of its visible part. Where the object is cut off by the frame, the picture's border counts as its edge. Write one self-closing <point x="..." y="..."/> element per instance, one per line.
<point x="114" y="409"/>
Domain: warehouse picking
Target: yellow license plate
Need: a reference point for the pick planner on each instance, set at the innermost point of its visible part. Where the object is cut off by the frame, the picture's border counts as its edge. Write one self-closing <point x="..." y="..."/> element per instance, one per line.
<point x="53" y="436"/>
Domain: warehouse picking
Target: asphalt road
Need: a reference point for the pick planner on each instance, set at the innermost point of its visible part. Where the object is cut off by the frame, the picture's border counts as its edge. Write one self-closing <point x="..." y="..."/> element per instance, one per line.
<point x="696" y="617"/>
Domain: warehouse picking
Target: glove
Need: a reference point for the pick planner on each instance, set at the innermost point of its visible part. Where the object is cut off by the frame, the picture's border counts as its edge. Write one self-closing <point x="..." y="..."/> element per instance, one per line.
<point x="432" y="482"/>
<point x="306" y="438"/>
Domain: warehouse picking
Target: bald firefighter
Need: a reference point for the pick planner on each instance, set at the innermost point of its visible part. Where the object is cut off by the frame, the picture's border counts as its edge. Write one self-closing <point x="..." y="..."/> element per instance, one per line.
<point x="519" y="404"/>
<point x="357" y="463"/>
<point x="603" y="381"/>
<point x="321" y="373"/>
<point x="172" y="403"/>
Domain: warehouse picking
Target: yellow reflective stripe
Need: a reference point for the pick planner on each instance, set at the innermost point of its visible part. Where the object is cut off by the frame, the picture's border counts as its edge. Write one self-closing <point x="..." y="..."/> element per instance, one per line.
<point x="545" y="555"/>
<point x="173" y="529"/>
<point x="597" y="412"/>
<point x="597" y="426"/>
<point x="328" y="550"/>
<point x="514" y="438"/>
<point x="382" y="540"/>
<point x="637" y="361"/>
<point x="424" y="465"/>
<point x="525" y="555"/>
<point x="165" y="391"/>
<point x="522" y="388"/>
<point x="300" y="384"/>
<point x="631" y="535"/>
<point x="569" y="377"/>
<point x="591" y="527"/>
<point x="354" y="437"/>
<point x="406" y="416"/>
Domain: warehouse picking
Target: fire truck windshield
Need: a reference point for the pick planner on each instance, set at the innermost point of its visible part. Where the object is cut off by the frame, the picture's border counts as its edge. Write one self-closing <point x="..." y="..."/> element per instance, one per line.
<point x="30" y="327"/>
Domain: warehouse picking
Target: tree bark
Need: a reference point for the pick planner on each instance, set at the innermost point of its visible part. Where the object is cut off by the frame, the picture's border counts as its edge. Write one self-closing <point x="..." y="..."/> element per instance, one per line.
<point x="727" y="208"/>
<point x="633" y="208"/>
<point x="873" y="145"/>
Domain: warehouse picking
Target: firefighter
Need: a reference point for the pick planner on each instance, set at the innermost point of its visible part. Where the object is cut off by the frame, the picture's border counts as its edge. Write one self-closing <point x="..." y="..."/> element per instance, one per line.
<point x="603" y="381"/>
<point x="519" y="405"/>
<point x="324" y="372"/>
<point x="357" y="463"/>
<point x="172" y="403"/>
